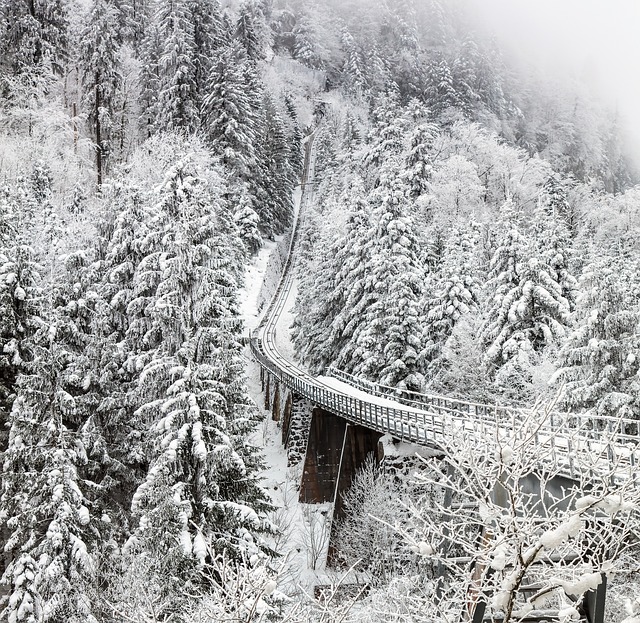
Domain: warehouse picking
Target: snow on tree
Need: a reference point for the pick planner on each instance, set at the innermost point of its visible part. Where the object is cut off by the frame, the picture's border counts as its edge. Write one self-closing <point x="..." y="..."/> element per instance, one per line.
<point x="551" y="228"/>
<point x="200" y="490"/>
<point x="354" y="69"/>
<point x="454" y="292"/>
<point x="247" y="221"/>
<point x="599" y="360"/>
<point x="178" y="106"/>
<point x="19" y="291"/>
<point x="440" y="93"/>
<point x="388" y="337"/>
<point x="507" y="487"/>
<point x="525" y="312"/>
<point x="361" y="541"/>
<point x="229" y="121"/>
<point x="464" y="75"/>
<point x="34" y="33"/>
<point x="250" y="31"/>
<point x="336" y="289"/>
<point x="456" y="192"/>
<point x="45" y="512"/>
<point x="100" y="45"/>
<point x="278" y="177"/>
<point x="420" y="158"/>
<point x="386" y="139"/>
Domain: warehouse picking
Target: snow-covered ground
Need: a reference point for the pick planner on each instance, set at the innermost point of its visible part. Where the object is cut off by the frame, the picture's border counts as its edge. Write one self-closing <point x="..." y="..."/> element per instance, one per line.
<point x="253" y="278"/>
<point x="303" y="538"/>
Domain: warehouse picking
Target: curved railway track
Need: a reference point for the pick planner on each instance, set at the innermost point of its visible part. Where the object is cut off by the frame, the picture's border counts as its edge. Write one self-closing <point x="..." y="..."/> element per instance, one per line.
<point x="428" y="419"/>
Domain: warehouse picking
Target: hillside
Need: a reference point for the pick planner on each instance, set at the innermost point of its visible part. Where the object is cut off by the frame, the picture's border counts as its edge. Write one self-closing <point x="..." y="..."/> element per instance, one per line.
<point x="474" y="232"/>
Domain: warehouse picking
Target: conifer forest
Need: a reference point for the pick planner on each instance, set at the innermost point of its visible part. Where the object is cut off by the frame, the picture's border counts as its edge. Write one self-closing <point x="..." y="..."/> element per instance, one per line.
<point x="463" y="228"/>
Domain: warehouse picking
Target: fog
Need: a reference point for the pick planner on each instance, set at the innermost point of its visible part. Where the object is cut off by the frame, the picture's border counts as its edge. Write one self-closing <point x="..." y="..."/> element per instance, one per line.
<point x="597" y="40"/>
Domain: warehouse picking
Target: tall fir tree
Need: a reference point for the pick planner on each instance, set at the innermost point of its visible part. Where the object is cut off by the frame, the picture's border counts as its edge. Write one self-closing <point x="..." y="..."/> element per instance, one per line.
<point x="34" y="33"/>
<point x="178" y="107"/>
<point x="100" y="44"/>
<point x="600" y="360"/>
<point x="389" y="337"/>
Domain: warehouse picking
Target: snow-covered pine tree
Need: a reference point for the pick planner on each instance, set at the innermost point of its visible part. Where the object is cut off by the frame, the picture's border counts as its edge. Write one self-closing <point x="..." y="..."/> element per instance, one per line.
<point x="551" y="229"/>
<point x="178" y="107"/>
<point x="388" y="336"/>
<point x="387" y="136"/>
<point x="45" y="512"/>
<point x="420" y="158"/>
<point x="250" y="31"/>
<point x="454" y="292"/>
<point x="525" y="311"/>
<point x="150" y="72"/>
<point x="464" y="75"/>
<point x="100" y="44"/>
<point x="210" y="36"/>
<point x="440" y="93"/>
<point x="354" y="69"/>
<point x="600" y="359"/>
<point x="18" y="310"/>
<point x="34" y="33"/>
<point x="247" y="221"/>
<point x="279" y="177"/>
<point x="334" y="288"/>
<point x="229" y="120"/>
<point x="307" y="45"/>
<point x="200" y="494"/>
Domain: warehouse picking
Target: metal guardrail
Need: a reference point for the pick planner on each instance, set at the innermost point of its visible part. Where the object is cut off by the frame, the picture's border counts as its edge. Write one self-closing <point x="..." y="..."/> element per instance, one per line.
<point x="434" y="420"/>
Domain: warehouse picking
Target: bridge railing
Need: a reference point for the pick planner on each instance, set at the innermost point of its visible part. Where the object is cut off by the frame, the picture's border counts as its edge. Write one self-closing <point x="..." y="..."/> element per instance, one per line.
<point x="624" y="430"/>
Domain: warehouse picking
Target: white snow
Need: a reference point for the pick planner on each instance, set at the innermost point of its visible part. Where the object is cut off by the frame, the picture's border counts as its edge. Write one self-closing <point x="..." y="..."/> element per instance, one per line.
<point x="557" y="536"/>
<point x="253" y="278"/>
<point x="569" y="614"/>
<point x="581" y="584"/>
<point x="354" y="392"/>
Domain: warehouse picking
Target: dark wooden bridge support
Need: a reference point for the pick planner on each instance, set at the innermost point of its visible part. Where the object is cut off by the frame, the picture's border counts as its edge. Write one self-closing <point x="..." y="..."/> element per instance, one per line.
<point x="336" y="450"/>
<point x="322" y="461"/>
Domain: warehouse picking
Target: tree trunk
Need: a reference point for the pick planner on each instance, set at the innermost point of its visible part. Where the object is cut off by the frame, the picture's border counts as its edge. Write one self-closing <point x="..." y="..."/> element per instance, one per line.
<point x="98" y="134"/>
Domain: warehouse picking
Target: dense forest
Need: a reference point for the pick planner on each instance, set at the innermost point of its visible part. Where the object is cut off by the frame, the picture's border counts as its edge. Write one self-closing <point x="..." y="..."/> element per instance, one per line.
<point x="474" y="232"/>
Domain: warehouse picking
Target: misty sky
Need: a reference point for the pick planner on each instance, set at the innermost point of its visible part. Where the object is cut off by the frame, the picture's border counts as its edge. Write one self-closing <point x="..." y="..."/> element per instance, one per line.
<point x="596" y="38"/>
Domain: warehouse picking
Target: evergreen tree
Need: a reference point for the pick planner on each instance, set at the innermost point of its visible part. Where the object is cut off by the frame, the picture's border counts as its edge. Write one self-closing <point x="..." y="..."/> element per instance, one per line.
<point x="229" y="121"/>
<point x="178" y="107"/>
<point x="34" y="33"/>
<point x="599" y="361"/>
<point x="210" y="36"/>
<point x="454" y="292"/>
<point x="387" y="136"/>
<point x="354" y="68"/>
<point x="336" y="290"/>
<point x="388" y="337"/>
<point x="247" y="221"/>
<point x="44" y="509"/>
<point x="420" y="158"/>
<point x="440" y="93"/>
<point x="200" y="493"/>
<point x="100" y="44"/>
<point x="554" y="239"/>
<point x="464" y="76"/>
<point x="249" y="33"/>
<point x="150" y="74"/>
<point x="279" y="177"/>
<point x="307" y="47"/>
<point x="526" y="310"/>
